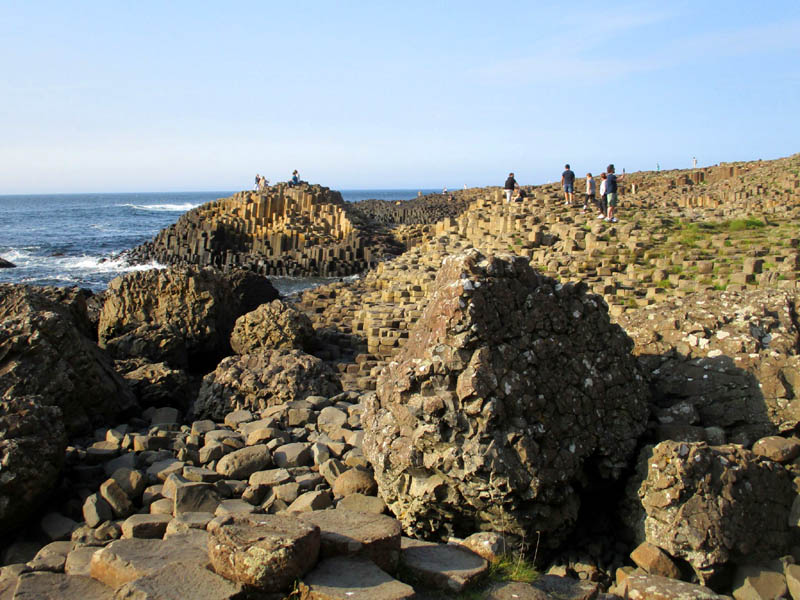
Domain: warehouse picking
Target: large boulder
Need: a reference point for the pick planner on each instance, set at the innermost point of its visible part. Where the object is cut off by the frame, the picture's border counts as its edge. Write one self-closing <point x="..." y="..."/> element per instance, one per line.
<point x="732" y="356"/>
<point x="274" y="325"/>
<point x="198" y="306"/>
<point x="71" y="302"/>
<point x="32" y="444"/>
<point x="711" y="505"/>
<point x="257" y="381"/>
<point x="511" y="390"/>
<point x="44" y="352"/>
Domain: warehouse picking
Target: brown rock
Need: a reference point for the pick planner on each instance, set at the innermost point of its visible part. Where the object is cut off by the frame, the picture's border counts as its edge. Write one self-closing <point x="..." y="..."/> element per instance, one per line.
<point x="352" y="578"/>
<point x="265" y="552"/>
<point x="178" y="580"/>
<point x="146" y="526"/>
<point x="58" y="586"/>
<point x="655" y="561"/>
<point x="355" y="481"/>
<point x="274" y="325"/>
<point x="126" y="560"/>
<point x="345" y="533"/>
<point x="655" y="587"/>
<point x="777" y="448"/>
<point x="441" y="566"/>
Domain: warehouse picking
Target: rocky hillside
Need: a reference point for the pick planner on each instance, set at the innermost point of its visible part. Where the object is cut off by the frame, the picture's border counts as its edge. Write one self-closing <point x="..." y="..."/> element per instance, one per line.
<point x="616" y="402"/>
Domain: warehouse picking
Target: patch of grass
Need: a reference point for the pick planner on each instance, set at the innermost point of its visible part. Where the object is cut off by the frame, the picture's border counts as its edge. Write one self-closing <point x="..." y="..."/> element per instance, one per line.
<point x="665" y="283"/>
<point x="513" y="568"/>
<point x="744" y="224"/>
<point x="720" y="287"/>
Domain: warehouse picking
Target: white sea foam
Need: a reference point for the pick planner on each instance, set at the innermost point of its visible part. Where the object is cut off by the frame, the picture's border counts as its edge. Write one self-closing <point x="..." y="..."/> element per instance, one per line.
<point x="163" y="207"/>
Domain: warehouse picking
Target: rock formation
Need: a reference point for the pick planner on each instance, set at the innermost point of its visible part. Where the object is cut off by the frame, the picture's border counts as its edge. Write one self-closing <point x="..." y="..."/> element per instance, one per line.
<point x="275" y="325"/>
<point x="721" y="359"/>
<point x="5" y="264"/>
<point x="32" y="443"/>
<point x="157" y="314"/>
<point x="44" y="352"/>
<point x="511" y="390"/>
<point x="712" y="505"/>
<point x="262" y="379"/>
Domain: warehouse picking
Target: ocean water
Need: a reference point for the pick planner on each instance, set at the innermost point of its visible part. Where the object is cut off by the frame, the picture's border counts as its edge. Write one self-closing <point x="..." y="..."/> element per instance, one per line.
<point x="76" y="239"/>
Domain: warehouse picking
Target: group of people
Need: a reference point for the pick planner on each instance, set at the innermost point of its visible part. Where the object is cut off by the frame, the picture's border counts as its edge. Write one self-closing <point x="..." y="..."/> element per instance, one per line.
<point x="262" y="183"/>
<point x="606" y="202"/>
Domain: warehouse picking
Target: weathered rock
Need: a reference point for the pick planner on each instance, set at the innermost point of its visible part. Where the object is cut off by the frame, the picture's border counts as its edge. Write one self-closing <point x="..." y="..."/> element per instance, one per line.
<point x="362" y="503"/>
<point x="240" y="464"/>
<point x="126" y="560"/>
<point x="265" y="552"/>
<point x="151" y="526"/>
<point x="777" y="448"/>
<point x="654" y="561"/>
<point x="354" y="481"/>
<point x="32" y="443"/>
<point x="51" y="557"/>
<point x="263" y="379"/>
<point x="711" y="505"/>
<point x="57" y="527"/>
<point x="515" y="590"/>
<point x="116" y="498"/>
<point x="441" y="566"/>
<point x="46" y="352"/>
<point x="729" y="354"/>
<point x="752" y="582"/>
<point x="295" y="454"/>
<point x="58" y="586"/>
<point x="509" y="388"/>
<point x="352" y="578"/>
<point x="345" y="533"/>
<point x="186" y="521"/>
<point x="188" y="580"/>
<point x="486" y="544"/>
<point x="195" y="497"/>
<point x="159" y="385"/>
<point x="198" y="306"/>
<point x="78" y="560"/>
<point x="566" y="587"/>
<point x="6" y="264"/>
<point x="654" y="587"/>
<point x="317" y="500"/>
<point x="276" y="325"/>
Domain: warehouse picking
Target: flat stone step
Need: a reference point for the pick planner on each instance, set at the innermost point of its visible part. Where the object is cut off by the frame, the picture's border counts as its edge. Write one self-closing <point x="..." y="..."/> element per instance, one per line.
<point x="352" y="578"/>
<point x="58" y="586"/>
<point x="126" y="560"/>
<point x="181" y="580"/>
<point x="441" y="566"/>
<point x="347" y="533"/>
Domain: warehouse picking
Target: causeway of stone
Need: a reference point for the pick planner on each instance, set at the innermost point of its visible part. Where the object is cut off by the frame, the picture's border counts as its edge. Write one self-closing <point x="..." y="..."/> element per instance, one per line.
<point x="487" y="400"/>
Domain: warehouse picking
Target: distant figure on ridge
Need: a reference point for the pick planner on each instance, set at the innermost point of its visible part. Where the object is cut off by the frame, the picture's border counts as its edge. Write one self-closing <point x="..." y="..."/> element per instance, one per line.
<point x="568" y="183"/>
<point x="511" y="183"/>
<point x="258" y="182"/>
<point x="590" y="190"/>
<point x="694" y="162"/>
<point x="295" y="180"/>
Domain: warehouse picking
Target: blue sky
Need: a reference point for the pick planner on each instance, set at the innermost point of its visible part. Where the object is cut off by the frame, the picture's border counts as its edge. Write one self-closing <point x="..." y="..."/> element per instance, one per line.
<point x="158" y="96"/>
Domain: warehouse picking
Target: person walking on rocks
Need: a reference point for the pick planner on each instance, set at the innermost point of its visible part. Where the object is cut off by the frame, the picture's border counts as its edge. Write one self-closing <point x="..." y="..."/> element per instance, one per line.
<point x="590" y="190"/>
<point x="611" y="193"/>
<point x="511" y="183"/>
<point x="568" y="183"/>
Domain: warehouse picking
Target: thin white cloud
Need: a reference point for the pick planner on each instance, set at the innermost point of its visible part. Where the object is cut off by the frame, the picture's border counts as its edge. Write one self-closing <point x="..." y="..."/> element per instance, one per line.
<point x="585" y="60"/>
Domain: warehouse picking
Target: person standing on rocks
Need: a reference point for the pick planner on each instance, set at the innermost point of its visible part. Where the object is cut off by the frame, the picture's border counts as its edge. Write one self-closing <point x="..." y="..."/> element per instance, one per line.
<point x="611" y="193"/>
<point x="568" y="183"/>
<point x="590" y="190"/>
<point x="601" y="201"/>
<point x="510" y="184"/>
<point x="258" y="182"/>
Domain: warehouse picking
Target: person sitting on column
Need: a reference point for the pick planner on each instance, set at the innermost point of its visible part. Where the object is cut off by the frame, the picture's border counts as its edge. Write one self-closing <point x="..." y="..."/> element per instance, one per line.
<point x="295" y="180"/>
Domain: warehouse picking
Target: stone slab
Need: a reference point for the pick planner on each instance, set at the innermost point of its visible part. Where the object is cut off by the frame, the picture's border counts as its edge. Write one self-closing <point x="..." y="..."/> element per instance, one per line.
<point x="180" y="581"/>
<point x="441" y="566"/>
<point x="59" y="586"/>
<point x="352" y="578"/>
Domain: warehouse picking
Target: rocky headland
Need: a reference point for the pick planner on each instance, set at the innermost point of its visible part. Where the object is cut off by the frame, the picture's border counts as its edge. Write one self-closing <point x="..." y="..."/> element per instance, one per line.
<point x="503" y="386"/>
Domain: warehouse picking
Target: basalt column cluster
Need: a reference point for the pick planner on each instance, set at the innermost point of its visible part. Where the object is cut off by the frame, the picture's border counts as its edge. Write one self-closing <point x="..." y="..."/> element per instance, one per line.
<point x="301" y="231"/>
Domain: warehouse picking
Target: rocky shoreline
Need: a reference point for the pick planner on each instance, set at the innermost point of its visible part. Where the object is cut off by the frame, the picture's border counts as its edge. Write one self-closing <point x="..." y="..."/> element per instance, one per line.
<point x="614" y="402"/>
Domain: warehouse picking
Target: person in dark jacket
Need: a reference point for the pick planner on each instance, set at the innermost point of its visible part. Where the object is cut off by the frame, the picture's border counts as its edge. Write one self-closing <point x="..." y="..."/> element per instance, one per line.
<point x="511" y="183"/>
<point x="568" y="183"/>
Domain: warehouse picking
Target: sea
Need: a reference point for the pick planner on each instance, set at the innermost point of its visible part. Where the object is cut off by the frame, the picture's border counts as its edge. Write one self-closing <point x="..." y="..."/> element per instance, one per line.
<point x="77" y="239"/>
